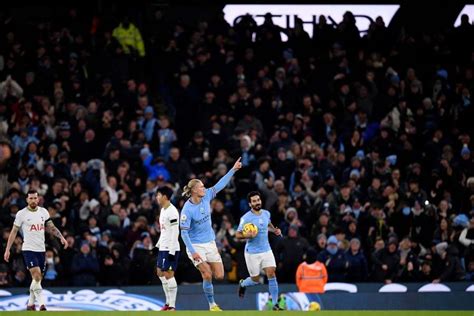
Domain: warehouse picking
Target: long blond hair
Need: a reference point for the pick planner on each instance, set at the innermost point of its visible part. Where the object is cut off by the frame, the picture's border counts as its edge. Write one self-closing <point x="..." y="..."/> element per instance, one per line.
<point x="189" y="187"/>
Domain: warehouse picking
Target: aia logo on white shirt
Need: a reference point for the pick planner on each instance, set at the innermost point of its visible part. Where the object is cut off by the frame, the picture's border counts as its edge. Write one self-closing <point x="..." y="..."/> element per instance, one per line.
<point x="37" y="227"/>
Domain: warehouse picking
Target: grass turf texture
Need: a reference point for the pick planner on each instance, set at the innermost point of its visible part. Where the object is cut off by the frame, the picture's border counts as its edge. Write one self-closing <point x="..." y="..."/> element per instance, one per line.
<point x="256" y="313"/>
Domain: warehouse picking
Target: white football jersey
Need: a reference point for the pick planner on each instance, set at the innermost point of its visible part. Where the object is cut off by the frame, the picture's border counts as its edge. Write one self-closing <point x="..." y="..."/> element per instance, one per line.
<point x="32" y="227"/>
<point x="169" y="225"/>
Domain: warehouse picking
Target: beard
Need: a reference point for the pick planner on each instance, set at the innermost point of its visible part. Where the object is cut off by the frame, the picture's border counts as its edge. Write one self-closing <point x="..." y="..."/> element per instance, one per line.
<point x="257" y="207"/>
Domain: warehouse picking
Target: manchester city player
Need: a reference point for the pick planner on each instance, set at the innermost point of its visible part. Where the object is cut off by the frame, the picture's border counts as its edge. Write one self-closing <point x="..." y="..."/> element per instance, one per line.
<point x="197" y="232"/>
<point x="258" y="254"/>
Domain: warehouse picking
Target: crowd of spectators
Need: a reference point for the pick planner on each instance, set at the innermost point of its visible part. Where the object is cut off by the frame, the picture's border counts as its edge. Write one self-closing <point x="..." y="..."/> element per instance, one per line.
<point x="360" y="145"/>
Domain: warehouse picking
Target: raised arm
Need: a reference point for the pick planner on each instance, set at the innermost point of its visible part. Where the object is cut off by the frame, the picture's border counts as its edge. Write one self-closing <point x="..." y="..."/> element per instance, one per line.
<point x="463" y="238"/>
<point x="55" y="231"/>
<point x="103" y="176"/>
<point x="225" y="179"/>
<point x="11" y="239"/>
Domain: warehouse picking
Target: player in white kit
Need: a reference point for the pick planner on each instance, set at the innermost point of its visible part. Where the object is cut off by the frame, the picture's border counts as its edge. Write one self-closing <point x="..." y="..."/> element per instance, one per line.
<point x="168" y="246"/>
<point x="32" y="221"/>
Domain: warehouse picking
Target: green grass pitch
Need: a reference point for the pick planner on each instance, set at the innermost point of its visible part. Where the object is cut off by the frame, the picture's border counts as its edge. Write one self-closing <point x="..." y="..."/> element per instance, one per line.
<point x="257" y="313"/>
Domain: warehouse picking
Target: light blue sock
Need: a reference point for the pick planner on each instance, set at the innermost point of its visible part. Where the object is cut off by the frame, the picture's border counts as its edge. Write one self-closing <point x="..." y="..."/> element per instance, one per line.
<point x="249" y="282"/>
<point x="273" y="289"/>
<point x="208" y="291"/>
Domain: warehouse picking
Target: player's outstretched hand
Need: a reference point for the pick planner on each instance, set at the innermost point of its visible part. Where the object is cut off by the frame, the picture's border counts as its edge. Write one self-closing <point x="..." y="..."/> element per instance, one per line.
<point x="64" y="242"/>
<point x="237" y="164"/>
<point x="6" y="256"/>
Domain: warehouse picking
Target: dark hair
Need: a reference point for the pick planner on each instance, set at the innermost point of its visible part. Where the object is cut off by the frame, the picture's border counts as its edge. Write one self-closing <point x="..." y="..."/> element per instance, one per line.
<point x="31" y="192"/>
<point x="253" y="193"/>
<point x="166" y="191"/>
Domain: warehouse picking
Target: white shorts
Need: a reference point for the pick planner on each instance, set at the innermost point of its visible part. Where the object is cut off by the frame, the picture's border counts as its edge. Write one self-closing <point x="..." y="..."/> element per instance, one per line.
<point x="207" y="251"/>
<point x="256" y="262"/>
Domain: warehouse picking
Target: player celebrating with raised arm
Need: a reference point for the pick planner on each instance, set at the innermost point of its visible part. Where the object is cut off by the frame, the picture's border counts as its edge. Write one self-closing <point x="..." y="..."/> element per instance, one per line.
<point x="168" y="246"/>
<point x="197" y="232"/>
<point x="258" y="254"/>
<point x="32" y="221"/>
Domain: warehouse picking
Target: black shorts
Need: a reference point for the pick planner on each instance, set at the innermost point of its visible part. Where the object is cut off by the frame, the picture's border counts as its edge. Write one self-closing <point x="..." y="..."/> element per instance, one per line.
<point x="34" y="259"/>
<point x="167" y="262"/>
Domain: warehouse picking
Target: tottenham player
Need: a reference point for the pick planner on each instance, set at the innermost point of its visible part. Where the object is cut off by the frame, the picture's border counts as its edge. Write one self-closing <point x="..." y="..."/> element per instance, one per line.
<point x="197" y="232"/>
<point x="168" y="246"/>
<point x="258" y="254"/>
<point x="32" y="221"/>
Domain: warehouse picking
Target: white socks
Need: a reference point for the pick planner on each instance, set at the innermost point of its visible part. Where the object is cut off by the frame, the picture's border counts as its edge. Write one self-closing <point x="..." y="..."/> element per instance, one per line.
<point x="37" y="289"/>
<point x="172" y="291"/>
<point x="164" y="283"/>
<point x="31" y="299"/>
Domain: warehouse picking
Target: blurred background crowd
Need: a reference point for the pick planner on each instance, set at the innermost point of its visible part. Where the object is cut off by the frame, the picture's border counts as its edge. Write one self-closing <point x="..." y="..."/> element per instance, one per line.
<point x="360" y="144"/>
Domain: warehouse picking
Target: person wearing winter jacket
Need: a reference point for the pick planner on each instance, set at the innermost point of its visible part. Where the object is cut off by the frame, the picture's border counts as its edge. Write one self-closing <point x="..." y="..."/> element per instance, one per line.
<point x="452" y="269"/>
<point x="85" y="267"/>
<point x="386" y="262"/>
<point x="334" y="260"/>
<point x="357" y="270"/>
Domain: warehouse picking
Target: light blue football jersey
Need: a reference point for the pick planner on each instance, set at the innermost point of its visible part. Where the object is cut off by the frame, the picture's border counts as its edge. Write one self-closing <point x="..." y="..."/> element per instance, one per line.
<point x="260" y="243"/>
<point x="197" y="219"/>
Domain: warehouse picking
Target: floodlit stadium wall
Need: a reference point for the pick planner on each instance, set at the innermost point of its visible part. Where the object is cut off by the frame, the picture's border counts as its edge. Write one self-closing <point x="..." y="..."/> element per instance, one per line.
<point x="338" y="296"/>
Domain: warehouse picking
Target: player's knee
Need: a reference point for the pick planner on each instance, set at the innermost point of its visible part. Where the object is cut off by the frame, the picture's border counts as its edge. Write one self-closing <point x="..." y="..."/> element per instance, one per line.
<point x="168" y="274"/>
<point x="159" y="273"/>
<point x="206" y="271"/>
<point x="219" y="275"/>
<point x="256" y="278"/>
<point x="206" y="275"/>
<point x="36" y="276"/>
<point x="271" y="274"/>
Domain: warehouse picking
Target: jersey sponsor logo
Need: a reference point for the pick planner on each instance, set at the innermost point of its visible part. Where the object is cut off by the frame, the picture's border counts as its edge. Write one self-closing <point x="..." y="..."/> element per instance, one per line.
<point x="37" y="227"/>
<point x="203" y="220"/>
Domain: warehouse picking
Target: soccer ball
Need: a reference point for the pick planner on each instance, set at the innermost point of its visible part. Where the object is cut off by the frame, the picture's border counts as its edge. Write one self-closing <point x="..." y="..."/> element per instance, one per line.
<point x="314" y="306"/>
<point x="249" y="227"/>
